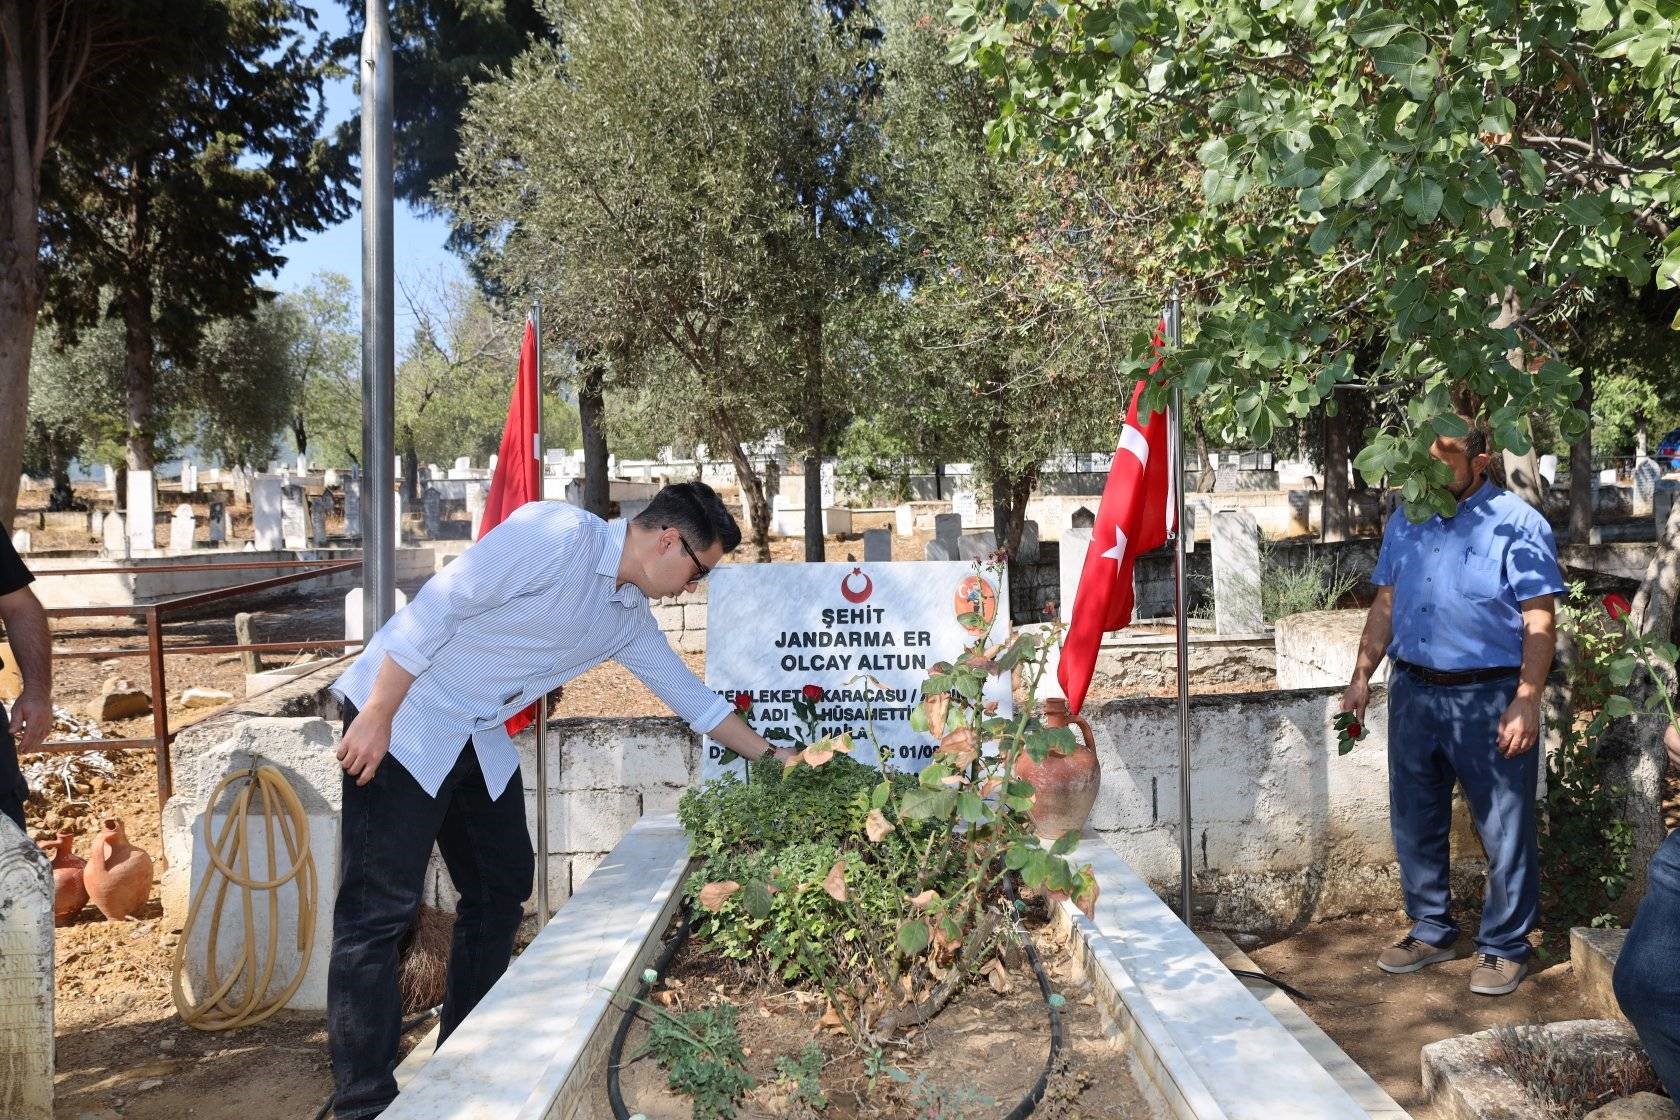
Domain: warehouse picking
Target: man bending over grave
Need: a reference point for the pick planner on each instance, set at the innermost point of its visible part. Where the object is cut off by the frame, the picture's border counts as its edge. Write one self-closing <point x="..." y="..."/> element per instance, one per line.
<point x="547" y="594"/>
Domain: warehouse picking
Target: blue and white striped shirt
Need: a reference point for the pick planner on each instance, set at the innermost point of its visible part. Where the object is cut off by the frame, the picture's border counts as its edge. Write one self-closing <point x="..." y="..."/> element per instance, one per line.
<point x="525" y="609"/>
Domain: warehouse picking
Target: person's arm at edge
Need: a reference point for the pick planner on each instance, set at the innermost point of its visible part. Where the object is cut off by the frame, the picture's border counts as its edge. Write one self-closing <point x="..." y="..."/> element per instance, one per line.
<point x="734" y="733"/>
<point x="1373" y="643"/>
<point x="31" y="642"/>
<point x="1519" y="727"/>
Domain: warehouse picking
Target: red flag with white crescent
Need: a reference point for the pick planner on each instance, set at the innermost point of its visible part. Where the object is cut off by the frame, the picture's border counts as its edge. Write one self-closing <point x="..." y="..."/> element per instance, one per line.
<point x="518" y="477"/>
<point x="1138" y="510"/>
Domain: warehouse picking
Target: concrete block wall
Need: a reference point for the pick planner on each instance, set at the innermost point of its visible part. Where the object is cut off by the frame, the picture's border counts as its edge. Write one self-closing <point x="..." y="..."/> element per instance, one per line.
<point x="683" y="620"/>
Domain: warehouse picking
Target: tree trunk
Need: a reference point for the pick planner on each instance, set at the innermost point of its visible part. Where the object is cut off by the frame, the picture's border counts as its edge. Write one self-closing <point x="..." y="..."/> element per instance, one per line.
<point x="63" y="495"/>
<point x="299" y="433"/>
<point x="591" y="413"/>
<point x="23" y="74"/>
<point x="1580" y="472"/>
<point x="17" y="335"/>
<point x="752" y="485"/>
<point x="1522" y="478"/>
<point x="1205" y="478"/>
<point x="815" y="436"/>
<point x="1632" y="747"/>
<point x="1334" y="523"/>
<point x="411" y="472"/>
<point x="139" y="374"/>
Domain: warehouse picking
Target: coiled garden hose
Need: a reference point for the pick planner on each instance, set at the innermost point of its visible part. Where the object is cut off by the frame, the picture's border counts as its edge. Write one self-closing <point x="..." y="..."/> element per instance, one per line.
<point x="284" y="821"/>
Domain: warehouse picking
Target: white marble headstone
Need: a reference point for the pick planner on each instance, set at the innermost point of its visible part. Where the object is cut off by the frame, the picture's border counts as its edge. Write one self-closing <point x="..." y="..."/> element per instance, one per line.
<point x="294" y="517"/>
<point x="115" y="536"/>
<point x="183" y="527"/>
<point x="142" y="534"/>
<point x="1236" y="573"/>
<point x="319" y="507"/>
<point x="266" y="504"/>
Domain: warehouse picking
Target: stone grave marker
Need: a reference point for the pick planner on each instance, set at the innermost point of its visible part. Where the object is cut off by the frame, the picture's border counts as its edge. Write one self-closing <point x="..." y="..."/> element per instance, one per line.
<point x="1645" y="478"/>
<point x="218" y="523"/>
<point x="464" y="463"/>
<point x="1236" y="573"/>
<point x="964" y="502"/>
<point x="353" y="612"/>
<point x="142" y="534"/>
<point x="396" y="517"/>
<point x="111" y="479"/>
<point x="96" y="523"/>
<point x="183" y="527"/>
<point x="947" y="537"/>
<point x="904" y="520"/>
<point x="294" y="517"/>
<point x="877" y="546"/>
<point x="431" y="510"/>
<point x="330" y="479"/>
<point x="303" y="463"/>
<point x="319" y="507"/>
<point x="478" y="494"/>
<point x="265" y="512"/>
<point x="826" y="483"/>
<point x="116" y="537"/>
<point x="976" y="545"/>
<point x="353" y="507"/>
<point x="1607" y="476"/>
<point x="189" y="477"/>
<point x="21" y="542"/>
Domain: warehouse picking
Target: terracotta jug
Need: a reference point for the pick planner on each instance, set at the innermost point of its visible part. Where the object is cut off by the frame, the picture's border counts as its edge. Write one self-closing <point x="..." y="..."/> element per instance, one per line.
<point x="69" y="891"/>
<point x="1064" y="785"/>
<point x="118" y="875"/>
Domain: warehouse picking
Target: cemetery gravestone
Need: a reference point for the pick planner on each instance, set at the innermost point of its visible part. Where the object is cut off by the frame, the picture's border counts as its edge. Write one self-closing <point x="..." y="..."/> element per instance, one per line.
<point x="1236" y="573"/>
<point x="826" y="483"/>
<point x="142" y="535"/>
<point x="431" y="510"/>
<point x="294" y="517"/>
<point x="947" y="537"/>
<point x="265" y="513"/>
<point x="1027" y="551"/>
<point x="111" y="479"/>
<point x="319" y="507"/>
<point x="478" y="494"/>
<point x="877" y="546"/>
<point x="977" y="545"/>
<point x="218" y="524"/>
<point x="353" y="507"/>
<point x="330" y="479"/>
<point x="183" y="527"/>
<point x="904" y="520"/>
<point x="96" y="523"/>
<point x="21" y="542"/>
<point x="1645" y="478"/>
<point x="116" y="537"/>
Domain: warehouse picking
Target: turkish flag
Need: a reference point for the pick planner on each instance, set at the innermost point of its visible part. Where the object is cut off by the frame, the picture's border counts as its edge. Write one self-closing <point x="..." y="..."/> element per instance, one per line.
<point x="1137" y="511"/>
<point x="518" y="477"/>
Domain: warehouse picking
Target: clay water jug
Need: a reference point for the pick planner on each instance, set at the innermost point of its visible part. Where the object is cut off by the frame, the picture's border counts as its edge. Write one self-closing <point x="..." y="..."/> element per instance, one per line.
<point x="69" y="891"/>
<point x="118" y="875"/>
<point x="1064" y="785"/>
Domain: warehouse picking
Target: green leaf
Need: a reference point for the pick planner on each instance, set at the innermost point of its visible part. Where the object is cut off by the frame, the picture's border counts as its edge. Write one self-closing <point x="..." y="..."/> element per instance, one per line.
<point x="970" y="808"/>
<point x="755" y="899"/>
<point x="1377" y="28"/>
<point x="1423" y="198"/>
<point x="913" y="937"/>
<point x="878" y="799"/>
<point x="1618" y="706"/>
<point x="1066" y="843"/>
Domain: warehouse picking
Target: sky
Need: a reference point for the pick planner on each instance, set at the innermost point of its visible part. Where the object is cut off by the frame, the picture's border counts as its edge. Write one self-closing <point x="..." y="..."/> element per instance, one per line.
<point x="423" y="265"/>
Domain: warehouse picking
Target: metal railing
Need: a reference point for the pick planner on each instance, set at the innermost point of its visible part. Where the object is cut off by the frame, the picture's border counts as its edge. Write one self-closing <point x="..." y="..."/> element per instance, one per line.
<point x="155" y="650"/>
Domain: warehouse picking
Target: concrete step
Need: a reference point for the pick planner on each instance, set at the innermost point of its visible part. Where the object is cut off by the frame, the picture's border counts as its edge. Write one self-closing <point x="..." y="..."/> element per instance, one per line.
<point x="1354" y="1081"/>
<point x="1593" y="953"/>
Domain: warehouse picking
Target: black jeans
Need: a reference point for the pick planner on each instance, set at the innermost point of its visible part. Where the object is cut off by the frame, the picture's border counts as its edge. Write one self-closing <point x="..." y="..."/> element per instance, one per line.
<point x="388" y="828"/>
<point x="13" y="791"/>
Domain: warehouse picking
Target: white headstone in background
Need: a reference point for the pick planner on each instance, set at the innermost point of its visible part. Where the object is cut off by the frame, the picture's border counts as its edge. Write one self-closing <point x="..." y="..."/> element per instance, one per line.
<point x="319" y="507"/>
<point x="1075" y="544"/>
<point x="1236" y="573"/>
<point x="1548" y="468"/>
<point x="142" y="533"/>
<point x="266" y="502"/>
<point x="904" y="520"/>
<point x="397" y="517"/>
<point x="493" y="458"/>
<point x="464" y="463"/>
<point x="964" y="501"/>
<point x="303" y="463"/>
<point x="115" y="537"/>
<point x="1646" y="475"/>
<point x="96" y="523"/>
<point x="330" y="478"/>
<point x="353" y="613"/>
<point x="218" y="526"/>
<point x="431" y="511"/>
<point x="21" y="542"/>
<point x="772" y="630"/>
<point x="827" y="484"/>
<point x="294" y="517"/>
<point x="189" y="477"/>
<point x="111" y="479"/>
<point x="1607" y="477"/>
<point x="183" y="527"/>
<point x="877" y="546"/>
<point x="352" y="507"/>
<point x="478" y="493"/>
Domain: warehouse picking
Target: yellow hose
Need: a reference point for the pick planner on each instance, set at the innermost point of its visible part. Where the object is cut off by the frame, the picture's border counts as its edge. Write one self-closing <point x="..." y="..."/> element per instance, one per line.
<point x="230" y="859"/>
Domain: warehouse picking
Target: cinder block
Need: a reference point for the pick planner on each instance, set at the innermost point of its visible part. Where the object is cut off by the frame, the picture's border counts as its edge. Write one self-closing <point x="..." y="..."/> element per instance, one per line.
<point x="692" y="641"/>
<point x="1592" y="954"/>
<point x="669" y="616"/>
<point x="582" y="865"/>
<point x="635" y="760"/>
<point x="661" y="799"/>
<point x="591" y="820"/>
<point x="694" y="616"/>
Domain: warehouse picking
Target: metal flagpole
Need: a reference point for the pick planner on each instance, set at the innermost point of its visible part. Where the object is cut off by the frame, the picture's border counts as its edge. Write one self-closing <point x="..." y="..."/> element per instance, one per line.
<point x="379" y="531"/>
<point x="1175" y="444"/>
<point x="542" y="704"/>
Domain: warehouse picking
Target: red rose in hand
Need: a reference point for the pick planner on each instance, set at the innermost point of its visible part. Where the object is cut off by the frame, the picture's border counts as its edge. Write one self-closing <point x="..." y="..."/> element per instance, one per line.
<point x="1617" y="607"/>
<point x="1355" y="730"/>
<point x="812" y="692"/>
<point x="743" y="703"/>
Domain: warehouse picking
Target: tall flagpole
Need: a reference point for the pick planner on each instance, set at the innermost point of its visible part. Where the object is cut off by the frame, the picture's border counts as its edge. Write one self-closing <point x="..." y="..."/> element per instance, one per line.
<point x="1175" y="444"/>
<point x="380" y="533"/>
<point x="542" y="704"/>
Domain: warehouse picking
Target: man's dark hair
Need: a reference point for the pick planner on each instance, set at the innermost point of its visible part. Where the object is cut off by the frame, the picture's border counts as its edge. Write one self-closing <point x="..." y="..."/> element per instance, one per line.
<point x="694" y="510"/>
<point x="1476" y="440"/>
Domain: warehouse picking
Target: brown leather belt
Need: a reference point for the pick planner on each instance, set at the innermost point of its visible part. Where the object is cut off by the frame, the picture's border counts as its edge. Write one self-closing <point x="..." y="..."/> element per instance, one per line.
<point x="1464" y="676"/>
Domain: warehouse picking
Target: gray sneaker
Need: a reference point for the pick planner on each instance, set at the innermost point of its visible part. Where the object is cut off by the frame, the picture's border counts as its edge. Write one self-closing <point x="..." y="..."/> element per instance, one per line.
<point x="1496" y="976"/>
<point x="1410" y="954"/>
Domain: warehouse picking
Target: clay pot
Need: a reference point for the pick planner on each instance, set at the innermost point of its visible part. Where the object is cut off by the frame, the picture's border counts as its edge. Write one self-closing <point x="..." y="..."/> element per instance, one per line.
<point x="118" y="875"/>
<point x="1064" y="785"/>
<point x="69" y="891"/>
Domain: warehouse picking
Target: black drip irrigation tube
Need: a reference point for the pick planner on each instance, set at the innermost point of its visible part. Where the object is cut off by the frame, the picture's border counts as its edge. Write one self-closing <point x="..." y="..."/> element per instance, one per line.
<point x="615" y="1055"/>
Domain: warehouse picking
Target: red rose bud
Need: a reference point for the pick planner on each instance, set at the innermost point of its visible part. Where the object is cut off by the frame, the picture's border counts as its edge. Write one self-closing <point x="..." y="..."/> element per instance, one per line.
<point x="1616" y="606"/>
<point x="1355" y="731"/>
<point x="813" y="692"/>
<point x="743" y="702"/>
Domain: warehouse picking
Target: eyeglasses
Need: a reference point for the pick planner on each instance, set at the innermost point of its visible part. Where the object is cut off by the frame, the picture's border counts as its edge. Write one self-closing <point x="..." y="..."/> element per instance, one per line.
<point x="700" y="570"/>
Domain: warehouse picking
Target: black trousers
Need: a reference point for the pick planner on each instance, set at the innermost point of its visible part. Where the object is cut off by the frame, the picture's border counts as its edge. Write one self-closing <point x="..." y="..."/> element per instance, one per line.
<point x="13" y="791"/>
<point x="387" y="832"/>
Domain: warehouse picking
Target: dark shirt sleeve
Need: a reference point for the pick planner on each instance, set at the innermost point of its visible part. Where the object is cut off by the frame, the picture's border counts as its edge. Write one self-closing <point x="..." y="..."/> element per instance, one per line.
<point x="13" y="575"/>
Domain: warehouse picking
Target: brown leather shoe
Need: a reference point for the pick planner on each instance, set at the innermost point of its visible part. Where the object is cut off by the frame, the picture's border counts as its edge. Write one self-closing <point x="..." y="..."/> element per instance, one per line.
<point x="1496" y="976"/>
<point x="1410" y="954"/>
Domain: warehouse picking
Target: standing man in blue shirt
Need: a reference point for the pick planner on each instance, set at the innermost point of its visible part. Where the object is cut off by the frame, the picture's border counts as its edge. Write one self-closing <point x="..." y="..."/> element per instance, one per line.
<point x="1464" y="612"/>
<point x="548" y="593"/>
